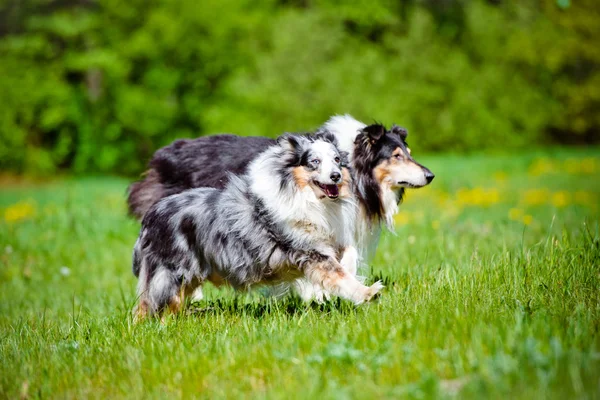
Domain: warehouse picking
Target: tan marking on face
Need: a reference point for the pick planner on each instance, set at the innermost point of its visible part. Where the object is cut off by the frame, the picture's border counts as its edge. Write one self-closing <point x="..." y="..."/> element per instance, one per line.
<point x="396" y="170"/>
<point x="301" y="176"/>
<point x="382" y="172"/>
<point x="397" y="152"/>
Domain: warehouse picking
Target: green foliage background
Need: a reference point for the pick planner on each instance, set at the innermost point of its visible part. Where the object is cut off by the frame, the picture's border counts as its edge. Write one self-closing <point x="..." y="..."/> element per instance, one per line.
<point x="98" y="85"/>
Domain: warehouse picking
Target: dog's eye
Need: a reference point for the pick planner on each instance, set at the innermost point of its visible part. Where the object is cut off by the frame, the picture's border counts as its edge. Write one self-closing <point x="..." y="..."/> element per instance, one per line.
<point x="398" y="156"/>
<point x="316" y="161"/>
<point x="337" y="160"/>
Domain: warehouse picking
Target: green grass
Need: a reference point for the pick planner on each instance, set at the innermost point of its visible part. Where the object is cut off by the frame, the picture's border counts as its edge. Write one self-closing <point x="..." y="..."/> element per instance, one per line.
<point x="492" y="291"/>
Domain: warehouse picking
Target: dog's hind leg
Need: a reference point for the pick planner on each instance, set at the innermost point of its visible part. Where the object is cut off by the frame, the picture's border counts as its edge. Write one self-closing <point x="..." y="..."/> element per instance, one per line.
<point x="330" y="275"/>
<point x="177" y="301"/>
<point x="142" y="309"/>
<point x="163" y="292"/>
<point x="140" y="312"/>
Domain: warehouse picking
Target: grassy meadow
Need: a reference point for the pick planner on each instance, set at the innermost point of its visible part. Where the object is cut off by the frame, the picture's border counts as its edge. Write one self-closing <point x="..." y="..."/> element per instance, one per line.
<point x="492" y="291"/>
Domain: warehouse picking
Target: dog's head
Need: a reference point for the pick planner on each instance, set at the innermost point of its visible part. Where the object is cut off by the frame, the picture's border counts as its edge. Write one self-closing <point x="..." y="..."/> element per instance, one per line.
<point x="318" y="164"/>
<point x="386" y="154"/>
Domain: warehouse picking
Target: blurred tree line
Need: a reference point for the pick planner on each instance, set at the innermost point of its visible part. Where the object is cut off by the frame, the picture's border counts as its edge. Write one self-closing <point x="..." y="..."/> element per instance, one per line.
<point x="98" y="85"/>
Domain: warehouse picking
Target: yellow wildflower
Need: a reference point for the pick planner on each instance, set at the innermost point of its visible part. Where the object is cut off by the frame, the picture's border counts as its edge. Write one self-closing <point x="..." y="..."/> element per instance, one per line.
<point x="442" y="198"/>
<point x="435" y="224"/>
<point x="477" y="197"/>
<point x="561" y="199"/>
<point x="527" y="219"/>
<point x="582" y="197"/>
<point x="19" y="211"/>
<point x="588" y="165"/>
<point x="515" y="214"/>
<point x="541" y="166"/>
<point x="536" y="196"/>
<point x="402" y="218"/>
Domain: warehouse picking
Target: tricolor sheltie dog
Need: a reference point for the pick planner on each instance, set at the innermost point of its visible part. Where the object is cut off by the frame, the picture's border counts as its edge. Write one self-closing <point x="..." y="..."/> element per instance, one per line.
<point x="381" y="167"/>
<point x="291" y="215"/>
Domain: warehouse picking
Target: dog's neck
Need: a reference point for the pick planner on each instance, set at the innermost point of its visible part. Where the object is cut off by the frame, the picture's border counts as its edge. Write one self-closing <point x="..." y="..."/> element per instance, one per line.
<point x="378" y="203"/>
<point x="390" y="203"/>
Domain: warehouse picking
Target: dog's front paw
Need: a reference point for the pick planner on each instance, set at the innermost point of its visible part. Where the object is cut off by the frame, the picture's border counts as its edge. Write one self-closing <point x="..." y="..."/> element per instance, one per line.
<point x="368" y="293"/>
<point x="373" y="290"/>
<point x="320" y="295"/>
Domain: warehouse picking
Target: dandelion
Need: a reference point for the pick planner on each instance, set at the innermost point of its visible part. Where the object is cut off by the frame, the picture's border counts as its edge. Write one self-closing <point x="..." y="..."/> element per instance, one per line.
<point x="442" y="198"/>
<point x="402" y="218"/>
<point x="560" y="199"/>
<point x="527" y="219"/>
<point x="477" y="197"/>
<point x="582" y="197"/>
<point x="19" y="211"/>
<point x="588" y="165"/>
<point x="412" y="239"/>
<point x="515" y="214"/>
<point x="435" y="224"/>
<point x="535" y="197"/>
<point x="540" y="167"/>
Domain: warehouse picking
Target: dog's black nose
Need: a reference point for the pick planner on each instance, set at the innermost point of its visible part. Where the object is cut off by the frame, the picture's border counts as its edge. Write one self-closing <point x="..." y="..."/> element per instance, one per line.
<point x="336" y="176"/>
<point x="429" y="176"/>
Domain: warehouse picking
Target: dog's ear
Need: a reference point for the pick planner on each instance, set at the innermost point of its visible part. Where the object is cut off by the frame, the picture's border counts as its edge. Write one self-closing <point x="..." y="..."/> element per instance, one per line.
<point x="344" y="160"/>
<point x="374" y="132"/>
<point x="289" y="141"/>
<point x="400" y="131"/>
<point x="326" y="136"/>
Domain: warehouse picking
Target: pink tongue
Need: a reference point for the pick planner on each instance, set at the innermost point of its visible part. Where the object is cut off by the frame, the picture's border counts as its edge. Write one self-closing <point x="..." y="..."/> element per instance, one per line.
<point x="331" y="190"/>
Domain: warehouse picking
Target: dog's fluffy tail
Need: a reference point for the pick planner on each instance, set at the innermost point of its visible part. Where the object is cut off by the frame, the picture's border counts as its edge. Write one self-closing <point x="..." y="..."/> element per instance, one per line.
<point x="144" y="193"/>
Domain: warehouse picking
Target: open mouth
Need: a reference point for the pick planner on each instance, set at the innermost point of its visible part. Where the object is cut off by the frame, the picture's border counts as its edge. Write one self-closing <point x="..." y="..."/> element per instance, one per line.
<point x="332" y="191"/>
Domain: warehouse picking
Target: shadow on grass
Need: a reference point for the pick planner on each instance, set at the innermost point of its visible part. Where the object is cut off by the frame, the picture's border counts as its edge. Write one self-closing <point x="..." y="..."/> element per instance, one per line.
<point x="289" y="305"/>
<point x="258" y="307"/>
